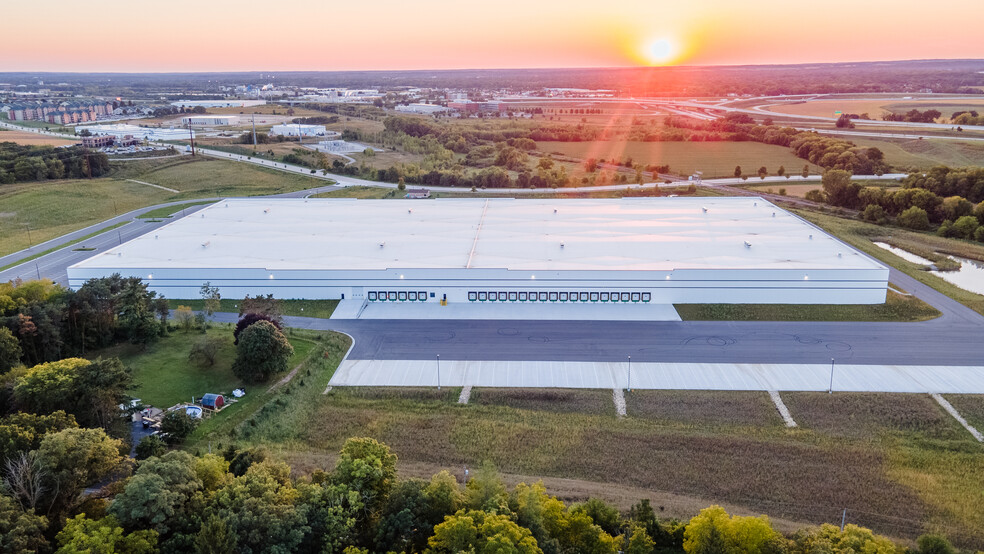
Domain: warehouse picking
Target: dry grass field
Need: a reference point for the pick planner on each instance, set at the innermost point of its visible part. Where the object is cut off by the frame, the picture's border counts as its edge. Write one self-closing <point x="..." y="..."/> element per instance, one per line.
<point x="851" y="451"/>
<point x="794" y="190"/>
<point x="33" y="139"/>
<point x="715" y="159"/>
<point x="924" y="154"/>
<point x="876" y="107"/>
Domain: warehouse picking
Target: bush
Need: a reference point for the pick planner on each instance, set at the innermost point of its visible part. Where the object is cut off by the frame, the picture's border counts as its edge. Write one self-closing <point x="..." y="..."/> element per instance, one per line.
<point x="262" y="351"/>
<point x="914" y="218"/>
<point x="965" y="227"/>
<point x="150" y="446"/>
<point x="874" y="213"/>
<point x="815" y="195"/>
<point x="204" y="351"/>
<point x="176" y="425"/>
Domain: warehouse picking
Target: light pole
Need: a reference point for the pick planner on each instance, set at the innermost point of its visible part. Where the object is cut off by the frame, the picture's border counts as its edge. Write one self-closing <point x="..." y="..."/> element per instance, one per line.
<point x="438" y="372"/>
<point x="830" y="389"/>
<point x="630" y="374"/>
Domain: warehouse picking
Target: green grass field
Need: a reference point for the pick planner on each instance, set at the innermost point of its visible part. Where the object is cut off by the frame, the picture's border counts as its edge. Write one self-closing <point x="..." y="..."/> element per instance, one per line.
<point x="895" y="308"/>
<point x="715" y="159"/>
<point x="860" y="235"/>
<point x="307" y="308"/>
<point x="924" y="154"/>
<point x="53" y="208"/>
<point x="168" y="211"/>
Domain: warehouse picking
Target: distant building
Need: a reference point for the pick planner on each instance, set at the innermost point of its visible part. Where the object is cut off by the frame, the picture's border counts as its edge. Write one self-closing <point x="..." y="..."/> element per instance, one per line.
<point x="62" y="113"/>
<point x="203" y="120"/>
<point x="422" y="108"/>
<point x="122" y="131"/>
<point x="218" y="103"/>
<point x="104" y="141"/>
<point x="296" y="129"/>
<point x="469" y="107"/>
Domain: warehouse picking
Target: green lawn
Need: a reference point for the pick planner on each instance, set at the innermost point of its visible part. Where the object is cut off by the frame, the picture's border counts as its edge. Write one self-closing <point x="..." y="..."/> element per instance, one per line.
<point x="715" y="159"/>
<point x="924" y="154"/>
<point x="860" y="235"/>
<point x="165" y="377"/>
<point x="307" y="308"/>
<point x="168" y="211"/>
<point x="896" y="308"/>
<point x="53" y="208"/>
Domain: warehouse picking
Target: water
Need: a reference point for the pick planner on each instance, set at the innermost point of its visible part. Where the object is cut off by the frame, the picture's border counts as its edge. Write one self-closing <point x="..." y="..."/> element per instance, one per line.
<point x="904" y="254"/>
<point x="969" y="277"/>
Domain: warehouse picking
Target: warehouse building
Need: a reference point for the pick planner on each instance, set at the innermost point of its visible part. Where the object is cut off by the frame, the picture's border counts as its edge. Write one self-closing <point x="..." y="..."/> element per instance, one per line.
<point x="614" y="251"/>
<point x="209" y="120"/>
<point x="300" y="129"/>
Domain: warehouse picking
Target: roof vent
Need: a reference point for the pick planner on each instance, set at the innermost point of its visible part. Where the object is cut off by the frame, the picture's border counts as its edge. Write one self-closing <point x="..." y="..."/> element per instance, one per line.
<point x="840" y="255"/>
<point x="555" y="210"/>
<point x="382" y="245"/>
<point x="773" y="214"/>
<point x="266" y="211"/>
<point x="561" y="245"/>
<point x="705" y="210"/>
<point x="206" y="243"/>
<point x="409" y="211"/>
<point x="748" y="244"/>
<point x="811" y="237"/>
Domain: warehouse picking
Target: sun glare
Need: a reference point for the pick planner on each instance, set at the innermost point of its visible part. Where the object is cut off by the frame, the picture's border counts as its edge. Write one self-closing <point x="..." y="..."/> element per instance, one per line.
<point x="660" y="51"/>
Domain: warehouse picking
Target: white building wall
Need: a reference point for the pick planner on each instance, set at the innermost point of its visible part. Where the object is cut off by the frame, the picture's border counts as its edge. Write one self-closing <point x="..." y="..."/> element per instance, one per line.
<point x="775" y="286"/>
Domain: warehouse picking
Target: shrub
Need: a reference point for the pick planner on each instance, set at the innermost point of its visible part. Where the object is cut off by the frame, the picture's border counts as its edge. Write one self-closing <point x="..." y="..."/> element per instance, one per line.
<point x="204" y="351"/>
<point x="914" y="218"/>
<point x="965" y="227"/>
<point x="176" y="425"/>
<point x="874" y="213"/>
<point x="150" y="446"/>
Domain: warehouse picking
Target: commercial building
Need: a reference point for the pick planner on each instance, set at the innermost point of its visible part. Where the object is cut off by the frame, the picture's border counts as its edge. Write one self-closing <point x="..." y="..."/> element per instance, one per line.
<point x="123" y="130"/>
<point x="421" y="108"/>
<point x="209" y="120"/>
<point x="631" y="250"/>
<point x="62" y="113"/>
<point x="469" y="107"/>
<point x="295" y="129"/>
<point x="218" y="103"/>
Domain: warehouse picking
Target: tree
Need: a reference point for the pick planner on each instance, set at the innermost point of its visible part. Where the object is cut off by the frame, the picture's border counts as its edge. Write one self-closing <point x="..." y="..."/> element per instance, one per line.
<point x="639" y="542"/>
<point x="476" y="531"/>
<point x="400" y="185"/>
<point x="368" y="467"/>
<point x="545" y="163"/>
<point x="176" y="425"/>
<point x="739" y="534"/>
<point x="215" y="538"/>
<point x="21" y="532"/>
<point x="964" y="227"/>
<point x="914" y="218"/>
<point x="829" y="538"/>
<point x="806" y="171"/>
<point x="267" y="306"/>
<point x="82" y="535"/>
<point x="184" y="317"/>
<point x="781" y="171"/>
<point x="934" y="544"/>
<point x="205" y="350"/>
<point x="737" y="171"/>
<point x="844" y="121"/>
<point x="165" y="495"/>
<point x="150" y="446"/>
<point x="10" y="351"/>
<point x="211" y="300"/>
<point x="75" y="459"/>
<point x="263" y="351"/>
<point x="604" y="515"/>
<point x="874" y="213"/>
<point x="136" y="312"/>
<point x="249" y="319"/>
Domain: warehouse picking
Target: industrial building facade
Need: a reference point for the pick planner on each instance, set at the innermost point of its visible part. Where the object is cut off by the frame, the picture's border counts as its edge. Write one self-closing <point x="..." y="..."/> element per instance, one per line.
<point x="632" y="250"/>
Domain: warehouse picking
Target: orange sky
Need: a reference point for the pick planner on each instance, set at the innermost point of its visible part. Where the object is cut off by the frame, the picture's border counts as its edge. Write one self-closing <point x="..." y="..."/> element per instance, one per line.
<point x="226" y="35"/>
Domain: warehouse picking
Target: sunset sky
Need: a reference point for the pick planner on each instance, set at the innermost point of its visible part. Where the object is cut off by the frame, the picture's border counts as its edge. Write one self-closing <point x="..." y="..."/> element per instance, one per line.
<point x="225" y="35"/>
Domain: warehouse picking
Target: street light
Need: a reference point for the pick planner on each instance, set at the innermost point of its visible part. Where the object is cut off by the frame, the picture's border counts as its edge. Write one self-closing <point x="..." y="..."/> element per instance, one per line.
<point x="438" y="372"/>
<point x="830" y="389"/>
<point x="630" y="374"/>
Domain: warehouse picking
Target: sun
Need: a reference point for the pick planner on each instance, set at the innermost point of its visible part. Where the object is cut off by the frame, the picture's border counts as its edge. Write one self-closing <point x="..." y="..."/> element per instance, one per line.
<point x="660" y="51"/>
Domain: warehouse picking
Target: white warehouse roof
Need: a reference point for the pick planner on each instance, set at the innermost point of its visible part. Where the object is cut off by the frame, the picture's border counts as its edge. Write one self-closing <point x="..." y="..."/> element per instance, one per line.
<point x="661" y="234"/>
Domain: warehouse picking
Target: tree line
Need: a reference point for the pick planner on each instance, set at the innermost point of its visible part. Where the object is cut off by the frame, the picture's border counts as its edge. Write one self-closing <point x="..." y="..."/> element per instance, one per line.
<point x="951" y="199"/>
<point x="242" y="500"/>
<point x="22" y="163"/>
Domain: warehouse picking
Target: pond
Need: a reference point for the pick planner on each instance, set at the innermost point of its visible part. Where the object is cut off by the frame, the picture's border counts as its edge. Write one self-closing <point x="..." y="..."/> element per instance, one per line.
<point x="969" y="277"/>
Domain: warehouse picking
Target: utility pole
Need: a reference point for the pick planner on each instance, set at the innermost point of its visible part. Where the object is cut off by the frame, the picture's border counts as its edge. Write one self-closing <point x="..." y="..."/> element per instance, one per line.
<point x="253" y="118"/>
<point x="843" y="519"/>
<point x="30" y="243"/>
<point x="438" y="372"/>
<point x="830" y="389"/>
<point x="191" y="135"/>
<point x="38" y="269"/>
<point x="630" y="374"/>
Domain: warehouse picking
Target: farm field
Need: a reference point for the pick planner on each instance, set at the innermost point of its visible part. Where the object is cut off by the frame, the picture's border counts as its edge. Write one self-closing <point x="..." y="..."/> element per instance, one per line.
<point x="923" y="154"/>
<point x="33" y="139"/>
<point x="715" y="159"/>
<point x="53" y="208"/>
<point x="875" y="107"/>
<point x="860" y="452"/>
